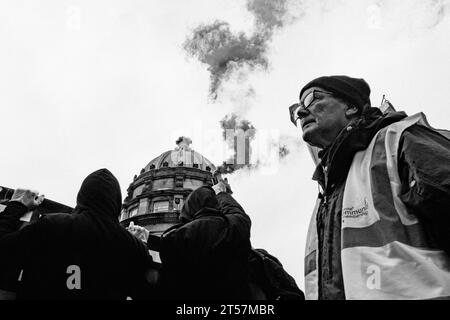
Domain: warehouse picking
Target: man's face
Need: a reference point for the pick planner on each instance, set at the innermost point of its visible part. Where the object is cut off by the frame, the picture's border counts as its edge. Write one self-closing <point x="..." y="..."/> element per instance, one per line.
<point x="325" y="117"/>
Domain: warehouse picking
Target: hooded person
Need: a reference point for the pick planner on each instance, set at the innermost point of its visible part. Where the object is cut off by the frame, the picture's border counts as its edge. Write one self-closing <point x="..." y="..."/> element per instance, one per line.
<point x="86" y="254"/>
<point x="206" y="256"/>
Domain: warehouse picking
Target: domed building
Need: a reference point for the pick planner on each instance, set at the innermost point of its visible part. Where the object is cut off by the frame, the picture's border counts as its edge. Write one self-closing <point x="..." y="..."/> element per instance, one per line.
<point x="156" y="195"/>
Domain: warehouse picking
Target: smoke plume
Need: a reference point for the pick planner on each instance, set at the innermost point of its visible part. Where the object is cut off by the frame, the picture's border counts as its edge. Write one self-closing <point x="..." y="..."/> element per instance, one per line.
<point x="238" y="133"/>
<point x="287" y="145"/>
<point x="233" y="122"/>
<point x="269" y="15"/>
<point x="226" y="53"/>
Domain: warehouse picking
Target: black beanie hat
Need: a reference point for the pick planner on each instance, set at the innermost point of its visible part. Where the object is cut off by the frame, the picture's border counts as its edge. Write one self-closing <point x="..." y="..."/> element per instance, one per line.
<point x="352" y="90"/>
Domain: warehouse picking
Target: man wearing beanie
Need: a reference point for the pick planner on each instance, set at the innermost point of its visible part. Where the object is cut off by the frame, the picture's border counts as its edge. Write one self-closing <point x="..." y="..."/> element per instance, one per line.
<point x="381" y="226"/>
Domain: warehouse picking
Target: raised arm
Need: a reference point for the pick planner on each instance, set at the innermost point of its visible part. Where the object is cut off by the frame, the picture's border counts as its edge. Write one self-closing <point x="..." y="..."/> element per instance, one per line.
<point x="233" y="210"/>
<point x="13" y="242"/>
<point x="10" y="217"/>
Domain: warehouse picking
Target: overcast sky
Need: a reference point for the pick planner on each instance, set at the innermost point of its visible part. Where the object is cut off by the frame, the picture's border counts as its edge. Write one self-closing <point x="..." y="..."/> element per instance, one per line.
<point x="92" y="84"/>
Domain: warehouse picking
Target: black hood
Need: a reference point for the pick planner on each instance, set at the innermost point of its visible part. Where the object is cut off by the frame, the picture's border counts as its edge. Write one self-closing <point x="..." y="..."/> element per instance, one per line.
<point x="100" y="194"/>
<point x="199" y="201"/>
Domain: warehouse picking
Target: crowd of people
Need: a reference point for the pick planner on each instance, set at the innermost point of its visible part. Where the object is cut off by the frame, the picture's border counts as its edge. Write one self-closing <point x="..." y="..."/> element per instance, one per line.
<point x="380" y="228"/>
<point x="87" y="254"/>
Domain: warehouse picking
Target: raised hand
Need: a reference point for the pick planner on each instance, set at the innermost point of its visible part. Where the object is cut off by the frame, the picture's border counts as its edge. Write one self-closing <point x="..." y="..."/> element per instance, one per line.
<point x="31" y="199"/>
<point x="139" y="232"/>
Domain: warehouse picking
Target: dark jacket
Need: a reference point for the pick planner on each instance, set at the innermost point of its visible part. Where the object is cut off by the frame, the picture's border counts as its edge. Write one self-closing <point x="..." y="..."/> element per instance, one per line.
<point x="82" y="255"/>
<point x="207" y="257"/>
<point x="267" y="272"/>
<point x="424" y="155"/>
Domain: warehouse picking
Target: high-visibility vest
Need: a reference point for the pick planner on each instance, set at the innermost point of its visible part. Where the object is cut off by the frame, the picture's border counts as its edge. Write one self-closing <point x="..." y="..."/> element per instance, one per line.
<point x="384" y="251"/>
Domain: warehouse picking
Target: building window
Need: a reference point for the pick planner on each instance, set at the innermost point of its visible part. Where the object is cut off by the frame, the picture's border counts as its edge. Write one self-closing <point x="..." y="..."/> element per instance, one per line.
<point x="192" y="183"/>
<point x="163" y="184"/>
<point x="178" y="204"/>
<point x="133" y="212"/>
<point x="123" y="215"/>
<point x="143" y="205"/>
<point x="138" y="191"/>
<point x="161" y="206"/>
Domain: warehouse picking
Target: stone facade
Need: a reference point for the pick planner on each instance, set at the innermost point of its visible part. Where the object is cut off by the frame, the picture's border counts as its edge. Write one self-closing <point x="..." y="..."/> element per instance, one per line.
<point x="156" y="195"/>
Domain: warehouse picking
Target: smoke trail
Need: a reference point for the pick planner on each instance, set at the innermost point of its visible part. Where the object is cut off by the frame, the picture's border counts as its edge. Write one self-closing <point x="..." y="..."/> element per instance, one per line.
<point x="226" y="53"/>
<point x="238" y="133"/>
<point x="283" y="151"/>
<point x="185" y="140"/>
<point x="233" y="122"/>
<point x="287" y="145"/>
<point x="269" y="14"/>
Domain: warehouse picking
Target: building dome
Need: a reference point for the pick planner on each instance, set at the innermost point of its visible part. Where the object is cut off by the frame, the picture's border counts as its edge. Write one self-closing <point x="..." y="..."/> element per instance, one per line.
<point x="181" y="156"/>
<point x="155" y="197"/>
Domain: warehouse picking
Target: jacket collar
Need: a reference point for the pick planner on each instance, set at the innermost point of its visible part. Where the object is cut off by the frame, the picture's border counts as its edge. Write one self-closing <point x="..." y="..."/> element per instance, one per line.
<point x="337" y="158"/>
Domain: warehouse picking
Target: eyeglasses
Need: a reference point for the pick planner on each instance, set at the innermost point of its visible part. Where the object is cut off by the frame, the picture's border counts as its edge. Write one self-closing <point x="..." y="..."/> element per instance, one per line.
<point x="305" y="104"/>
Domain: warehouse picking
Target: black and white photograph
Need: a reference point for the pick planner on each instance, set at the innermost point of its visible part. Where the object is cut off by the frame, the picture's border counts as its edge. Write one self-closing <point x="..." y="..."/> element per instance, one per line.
<point x="225" y="158"/>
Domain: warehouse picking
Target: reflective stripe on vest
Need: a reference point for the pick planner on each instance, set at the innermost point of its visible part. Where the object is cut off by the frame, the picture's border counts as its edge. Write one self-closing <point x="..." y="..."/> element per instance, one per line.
<point x="311" y="258"/>
<point x="385" y="254"/>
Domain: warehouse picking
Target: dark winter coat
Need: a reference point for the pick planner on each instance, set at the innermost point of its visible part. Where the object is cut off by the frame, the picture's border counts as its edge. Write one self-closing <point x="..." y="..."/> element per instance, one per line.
<point x="424" y="156"/>
<point x="82" y="255"/>
<point x="268" y="274"/>
<point x="207" y="257"/>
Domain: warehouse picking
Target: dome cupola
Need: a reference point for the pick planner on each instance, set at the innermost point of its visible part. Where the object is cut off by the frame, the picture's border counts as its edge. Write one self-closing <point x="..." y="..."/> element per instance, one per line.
<point x="156" y="195"/>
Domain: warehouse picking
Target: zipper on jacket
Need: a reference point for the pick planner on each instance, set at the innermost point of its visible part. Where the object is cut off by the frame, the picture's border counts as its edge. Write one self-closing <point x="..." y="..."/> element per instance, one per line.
<point x="323" y="207"/>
